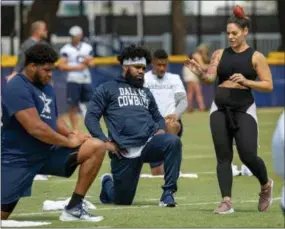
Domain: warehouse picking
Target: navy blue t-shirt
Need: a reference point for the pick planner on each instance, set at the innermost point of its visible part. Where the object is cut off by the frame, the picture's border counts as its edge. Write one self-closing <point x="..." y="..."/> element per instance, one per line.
<point x="17" y="145"/>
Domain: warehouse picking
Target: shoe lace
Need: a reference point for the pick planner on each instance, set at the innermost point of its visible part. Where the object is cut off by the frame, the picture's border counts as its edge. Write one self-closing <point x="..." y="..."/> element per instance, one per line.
<point x="263" y="194"/>
<point x="225" y="202"/>
<point x="84" y="212"/>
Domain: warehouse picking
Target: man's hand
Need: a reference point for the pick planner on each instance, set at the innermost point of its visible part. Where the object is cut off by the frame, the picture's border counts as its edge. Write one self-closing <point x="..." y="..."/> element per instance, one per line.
<point x="81" y="67"/>
<point x="172" y="124"/>
<point x="172" y="117"/>
<point x="74" y="141"/>
<point x="81" y="135"/>
<point x="88" y="60"/>
<point x="114" y="149"/>
<point x="193" y="66"/>
<point x="111" y="146"/>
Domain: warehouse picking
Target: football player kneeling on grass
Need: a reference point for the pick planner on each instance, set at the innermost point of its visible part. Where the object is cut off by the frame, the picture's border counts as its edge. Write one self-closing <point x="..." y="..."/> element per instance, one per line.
<point x="170" y="96"/>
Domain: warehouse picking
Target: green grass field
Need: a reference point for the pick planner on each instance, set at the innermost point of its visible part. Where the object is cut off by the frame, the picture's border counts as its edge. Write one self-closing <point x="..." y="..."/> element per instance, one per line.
<point x="197" y="198"/>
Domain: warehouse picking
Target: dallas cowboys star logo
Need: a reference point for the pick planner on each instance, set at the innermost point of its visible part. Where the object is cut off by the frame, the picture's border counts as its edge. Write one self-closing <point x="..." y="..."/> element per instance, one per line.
<point x="47" y="102"/>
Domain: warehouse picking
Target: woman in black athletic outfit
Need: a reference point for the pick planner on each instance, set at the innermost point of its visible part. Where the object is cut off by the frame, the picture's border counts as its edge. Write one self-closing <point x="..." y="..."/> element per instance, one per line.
<point x="233" y="112"/>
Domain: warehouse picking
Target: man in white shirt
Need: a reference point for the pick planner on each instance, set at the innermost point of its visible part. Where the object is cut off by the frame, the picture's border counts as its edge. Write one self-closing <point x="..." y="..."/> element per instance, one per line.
<point x="170" y="95"/>
<point x="76" y="58"/>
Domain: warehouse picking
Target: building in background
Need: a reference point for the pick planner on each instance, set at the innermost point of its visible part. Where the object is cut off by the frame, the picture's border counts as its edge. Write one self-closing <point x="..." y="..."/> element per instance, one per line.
<point x="109" y="24"/>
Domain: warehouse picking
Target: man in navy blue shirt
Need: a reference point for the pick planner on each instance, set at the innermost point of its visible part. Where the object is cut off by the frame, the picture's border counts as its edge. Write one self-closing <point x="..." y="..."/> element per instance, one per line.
<point x="136" y="131"/>
<point x="34" y="141"/>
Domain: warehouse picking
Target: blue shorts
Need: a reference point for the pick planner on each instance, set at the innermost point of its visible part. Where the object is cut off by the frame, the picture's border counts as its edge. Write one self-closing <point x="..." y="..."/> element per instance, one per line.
<point x="156" y="164"/>
<point x="77" y="93"/>
<point x="16" y="180"/>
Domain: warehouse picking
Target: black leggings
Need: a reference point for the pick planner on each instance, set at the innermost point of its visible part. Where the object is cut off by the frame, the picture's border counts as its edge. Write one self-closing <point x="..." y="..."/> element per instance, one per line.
<point x="246" y="137"/>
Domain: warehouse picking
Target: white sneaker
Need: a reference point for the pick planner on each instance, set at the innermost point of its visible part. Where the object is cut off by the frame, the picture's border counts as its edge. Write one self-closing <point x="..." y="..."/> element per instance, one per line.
<point x="245" y="171"/>
<point x="78" y="213"/>
<point x="235" y="170"/>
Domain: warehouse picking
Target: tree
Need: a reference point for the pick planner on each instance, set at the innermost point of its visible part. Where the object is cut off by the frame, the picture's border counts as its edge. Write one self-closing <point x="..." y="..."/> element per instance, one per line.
<point x="281" y="19"/>
<point x="41" y="10"/>
<point x="178" y="27"/>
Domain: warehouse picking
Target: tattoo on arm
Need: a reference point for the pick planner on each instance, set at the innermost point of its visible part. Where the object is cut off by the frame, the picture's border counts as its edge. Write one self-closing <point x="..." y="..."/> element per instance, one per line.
<point x="211" y="71"/>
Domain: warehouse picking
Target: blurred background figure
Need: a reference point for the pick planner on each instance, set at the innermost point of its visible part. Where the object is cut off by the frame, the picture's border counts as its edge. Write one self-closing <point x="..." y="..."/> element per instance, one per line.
<point x="76" y="58"/>
<point x="38" y="34"/>
<point x="278" y="153"/>
<point x="202" y="56"/>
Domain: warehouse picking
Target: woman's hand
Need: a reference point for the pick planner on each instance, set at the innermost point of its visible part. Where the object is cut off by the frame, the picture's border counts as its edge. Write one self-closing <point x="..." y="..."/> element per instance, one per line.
<point x="194" y="67"/>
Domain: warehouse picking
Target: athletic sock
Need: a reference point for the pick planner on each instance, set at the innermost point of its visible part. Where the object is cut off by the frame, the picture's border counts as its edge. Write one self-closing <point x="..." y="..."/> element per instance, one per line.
<point x="75" y="200"/>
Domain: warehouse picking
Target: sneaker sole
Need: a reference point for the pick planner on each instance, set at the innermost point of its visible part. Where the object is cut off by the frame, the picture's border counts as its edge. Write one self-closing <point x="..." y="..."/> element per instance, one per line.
<point x="162" y="204"/>
<point x="65" y="217"/>
<point x="271" y="199"/>
<point x="225" y="213"/>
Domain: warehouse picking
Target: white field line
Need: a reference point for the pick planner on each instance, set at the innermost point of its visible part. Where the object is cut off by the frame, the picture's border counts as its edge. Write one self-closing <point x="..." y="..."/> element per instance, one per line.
<point x="176" y="198"/>
<point x="138" y="207"/>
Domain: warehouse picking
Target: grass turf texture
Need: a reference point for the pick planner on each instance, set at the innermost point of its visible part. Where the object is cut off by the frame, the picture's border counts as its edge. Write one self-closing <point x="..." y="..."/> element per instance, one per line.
<point x="197" y="198"/>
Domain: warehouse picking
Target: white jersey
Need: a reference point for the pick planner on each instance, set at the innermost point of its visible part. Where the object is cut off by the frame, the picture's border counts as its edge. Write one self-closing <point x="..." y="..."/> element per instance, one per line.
<point x="75" y="56"/>
<point x="164" y="90"/>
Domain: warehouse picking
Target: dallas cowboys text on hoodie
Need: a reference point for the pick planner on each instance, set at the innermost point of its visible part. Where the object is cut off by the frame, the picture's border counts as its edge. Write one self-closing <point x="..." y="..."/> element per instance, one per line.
<point x="130" y="113"/>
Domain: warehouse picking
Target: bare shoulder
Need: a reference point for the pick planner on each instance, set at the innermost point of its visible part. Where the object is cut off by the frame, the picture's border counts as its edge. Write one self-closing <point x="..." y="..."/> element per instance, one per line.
<point x="258" y="56"/>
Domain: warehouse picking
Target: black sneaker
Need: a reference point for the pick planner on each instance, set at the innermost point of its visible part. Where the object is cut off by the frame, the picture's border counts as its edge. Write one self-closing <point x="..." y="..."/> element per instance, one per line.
<point x="167" y="199"/>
